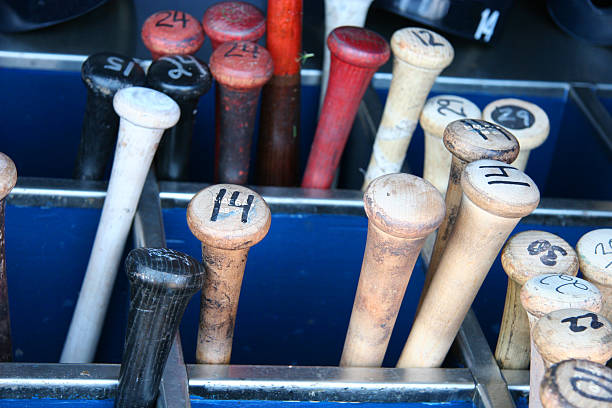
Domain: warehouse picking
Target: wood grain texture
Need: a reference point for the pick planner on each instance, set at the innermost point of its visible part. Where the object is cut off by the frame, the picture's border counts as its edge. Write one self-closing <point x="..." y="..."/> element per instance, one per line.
<point x="595" y="255"/>
<point x="228" y="219"/>
<point x="419" y="57"/>
<point x="526" y="255"/>
<point x="402" y="210"/>
<point x="145" y="114"/>
<point x="356" y="54"/>
<point x="233" y="21"/>
<point x="162" y="281"/>
<point x="491" y="206"/>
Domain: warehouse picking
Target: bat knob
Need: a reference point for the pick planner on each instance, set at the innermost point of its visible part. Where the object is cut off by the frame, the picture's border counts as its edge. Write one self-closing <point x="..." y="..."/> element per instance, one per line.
<point x="233" y="21"/>
<point x="552" y="291"/>
<point x="573" y="333"/>
<point x="533" y="253"/>
<point x="106" y="73"/>
<point x="162" y="282"/>
<point x="228" y="216"/>
<point x="241" y="65"/>
<point x="422" y="48"/>
<point x="475" y="139"/>
<point x="8" y="175"/>
<point x="500" y="189"/>
<point x="172" y="32"/>
<point x="527" y="122"/>
<point x="358" y="46"/>
<point x="182" y="77"/>
<point x="404" y="205"/>
<point x="146" y="108"/>
<point x="441" y="110"/>
<point x="595" y="256"/>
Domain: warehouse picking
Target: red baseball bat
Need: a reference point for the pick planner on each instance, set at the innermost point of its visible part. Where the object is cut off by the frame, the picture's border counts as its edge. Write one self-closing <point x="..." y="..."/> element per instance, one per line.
<point x="172" y="32"/>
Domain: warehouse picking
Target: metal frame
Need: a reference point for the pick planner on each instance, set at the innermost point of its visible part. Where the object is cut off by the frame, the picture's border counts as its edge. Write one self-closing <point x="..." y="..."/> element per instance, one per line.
<point x="481" y="380"/>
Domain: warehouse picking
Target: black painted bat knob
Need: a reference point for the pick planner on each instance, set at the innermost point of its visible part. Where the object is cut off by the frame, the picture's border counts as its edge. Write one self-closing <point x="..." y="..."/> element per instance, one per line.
<point x="103" y="74"/>
<point x="162" y="282"/>
<point x="181" y="77"/>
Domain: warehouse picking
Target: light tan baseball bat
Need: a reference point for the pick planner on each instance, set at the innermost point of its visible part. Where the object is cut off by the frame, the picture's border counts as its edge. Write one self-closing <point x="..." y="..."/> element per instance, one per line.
<point x="228" y="219"/>
<point x="468" y="140"/>
<point x="144" y="115"/>
<point x="437" y="113"/>
<point x="402" y="210"/>
<point x="595" y="256"/>
<point x="527" y="122"/>
<point x="570" y="334"/>
<point x="525" y="255"/>
<point x="419" y="57"/>
<point x="577" y="384"/>
<point x="495" y="197"/>
<point x="8" y="179"/>
<point x="543" y="294"/>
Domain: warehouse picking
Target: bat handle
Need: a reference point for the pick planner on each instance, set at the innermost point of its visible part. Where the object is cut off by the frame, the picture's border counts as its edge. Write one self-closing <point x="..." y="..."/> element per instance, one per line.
<point x="98" y="137"/>
<point x="162" y="282"/>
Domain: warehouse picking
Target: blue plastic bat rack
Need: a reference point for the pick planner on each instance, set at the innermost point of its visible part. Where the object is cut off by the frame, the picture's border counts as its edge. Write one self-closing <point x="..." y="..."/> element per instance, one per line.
<point x="299" y="282"/>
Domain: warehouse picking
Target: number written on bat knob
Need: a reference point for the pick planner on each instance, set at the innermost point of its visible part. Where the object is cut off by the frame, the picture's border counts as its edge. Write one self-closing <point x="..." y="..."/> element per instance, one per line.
<point x="426" y="38"/>
<point x="117" y="64"/>
<point x="591" y="385"/>
<point x="177" y="16"/>
<point x="603" y="251"/>
<point x="576" y="328"/>
<point x="542" y="245"/>
<point x="217" y="208"/>
<point x="242" y="50"/>
<point x="445" y="105"/>
<point x="503" y="173"/>
<point x="571" y="281"/>
<point x="513" y="117"/>
<point x="484" y="129"/>
<point x="180" y="62"/>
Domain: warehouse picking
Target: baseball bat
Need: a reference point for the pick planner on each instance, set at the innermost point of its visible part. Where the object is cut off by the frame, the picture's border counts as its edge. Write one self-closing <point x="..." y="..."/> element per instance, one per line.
<point x="546" y="293"/>
<point x="340" y="13"/>
<point x="527" y="122"/>
<point x="420" y="56"/>
<point x="569" y="334"/>
<point x="103" y="74"/>
<point x="172" y="32"/>
<point x="468" y="140"/>
<point x="145" y="114"/>
<point x="240" y="68"/>
<point x="8" y="179"/>
<point x="576" y="384"/>
<point x="495" y="197"/>
<point x="595" y="257"/>
<point x="185" y="79"/>
<point x="161" y="283"/>
<point x="525" y="255"/>
<point x="233" y="21"/>
<point x="402" y="210"/>
<point x="228" y="219"/>
<point x="279" y="135"/>
<point x="356" y="54"/>
<point x="437" y="113"/>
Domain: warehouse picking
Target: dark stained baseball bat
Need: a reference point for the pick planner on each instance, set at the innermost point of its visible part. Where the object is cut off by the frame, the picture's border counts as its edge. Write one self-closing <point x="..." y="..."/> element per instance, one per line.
<point x="103" y="74"/>
<point x="356" y="53"/>
<point x="162" y="282"/>
<point x="8" y="178"/>
<point x="240" y="68"/>
<point x="185" y="79"/>
<point x="278" y="144"/>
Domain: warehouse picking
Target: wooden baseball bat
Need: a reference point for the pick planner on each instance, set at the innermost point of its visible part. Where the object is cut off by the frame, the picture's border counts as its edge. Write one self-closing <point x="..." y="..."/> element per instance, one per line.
<point x="233" y="21"/>
<point x="569" y="334"/>
<point x="162" y="281"/>
<point x="495" y="197"/>
<point x="402" y="210"/>
<point x="279" y="134"/>
<point x="356" y="54"/>
<point x="468" y="140"/>
<point x="437" y="113"/>
<point x="527" y="122"/>
<point x="8" y="179"/>
<point x="420" y="56"/>
<point x="185" y="79"/>
<point x="172" y="32"/>
<point x="595" y="256"/>
<point x="103" y="74"/>
<point x="340" y="13"/>
<point x="525" y="255"/>
<point x="576" y="384"/>
<point x="145" y="114"/>
<point x="543" y="294"/>
<point x="228" y="219"/>
<point x="240" y="68"/>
